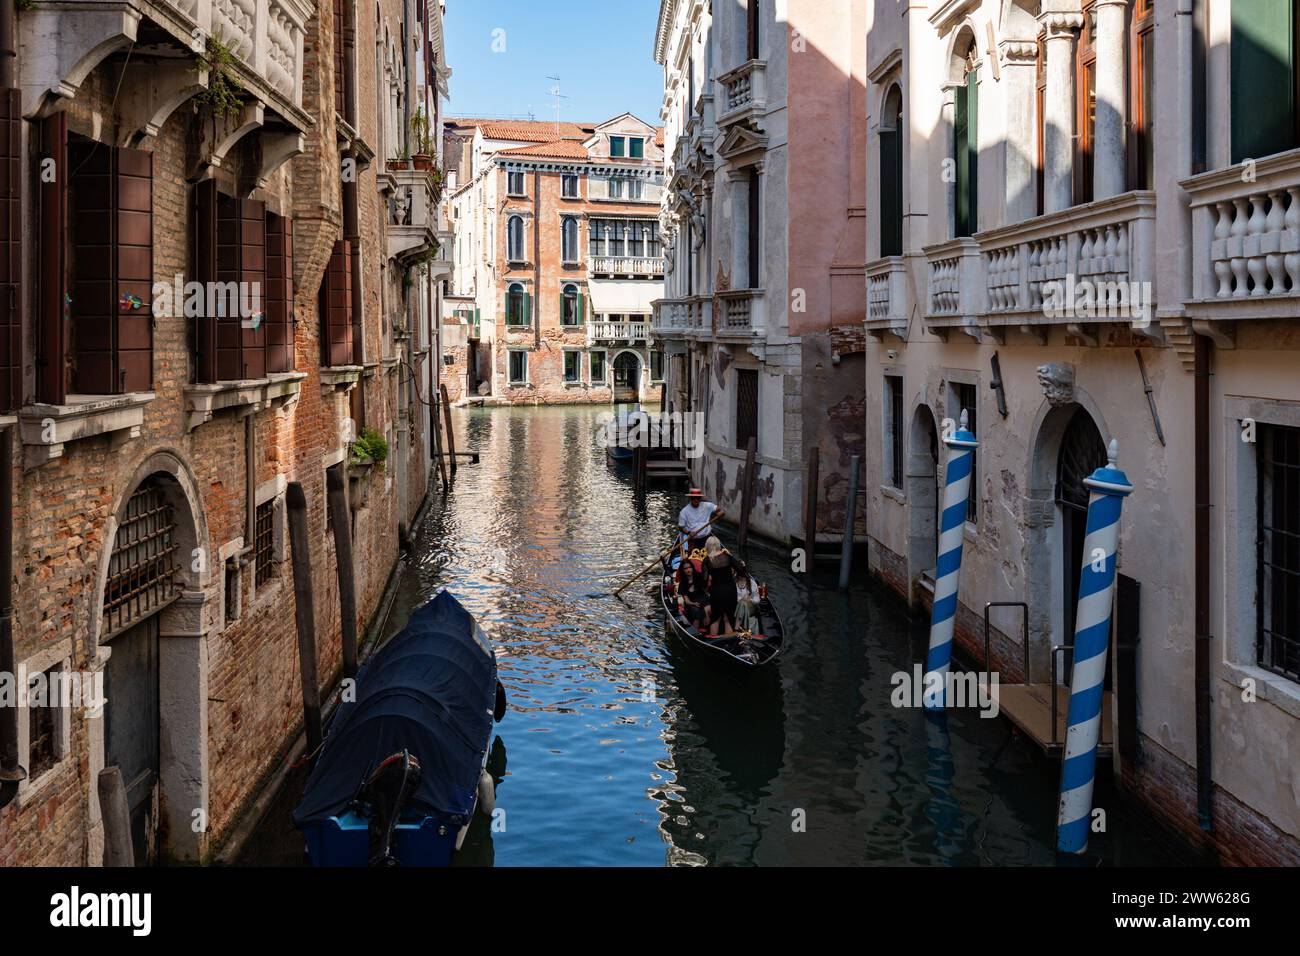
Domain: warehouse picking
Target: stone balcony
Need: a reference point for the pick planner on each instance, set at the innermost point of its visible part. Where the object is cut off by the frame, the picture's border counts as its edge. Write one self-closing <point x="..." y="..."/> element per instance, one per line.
<point x="1081" y="266"/>
<point x="1245" y="246"/>
<point x="889" y="297"/>
<point x="626" y="265"/>
<point x="414" y="219"/>
<point x="634" y="332"/>
<point x="744" y="93"/>
<point x="740" y="313"/>
<point x="682" y="318"/>
<point x="68" y="38"/>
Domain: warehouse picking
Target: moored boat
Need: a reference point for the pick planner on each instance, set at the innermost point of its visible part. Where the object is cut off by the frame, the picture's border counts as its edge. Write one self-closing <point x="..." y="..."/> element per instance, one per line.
<point x="401" y="772"/>
<point x="745" y="650"/>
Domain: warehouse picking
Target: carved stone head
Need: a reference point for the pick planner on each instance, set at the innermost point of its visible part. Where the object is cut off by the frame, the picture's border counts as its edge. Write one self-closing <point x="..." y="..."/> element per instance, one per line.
<point x="1057" y="379"/>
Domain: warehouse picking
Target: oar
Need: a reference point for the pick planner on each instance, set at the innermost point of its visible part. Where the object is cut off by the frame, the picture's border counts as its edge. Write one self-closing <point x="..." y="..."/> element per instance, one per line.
<point x="663" y="554"/>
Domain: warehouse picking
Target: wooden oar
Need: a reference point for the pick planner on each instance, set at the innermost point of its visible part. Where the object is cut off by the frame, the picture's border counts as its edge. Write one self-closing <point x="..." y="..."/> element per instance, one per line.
<point x="663" y="554"/>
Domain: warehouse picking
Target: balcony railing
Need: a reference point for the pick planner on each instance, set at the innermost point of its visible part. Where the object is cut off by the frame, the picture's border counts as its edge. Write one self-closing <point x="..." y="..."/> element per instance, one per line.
<point x="413" y="215"/>
<point x="1246" y="240"/>
<point x="681" y="317"/>
<point x="744" y="92"/>
<point x="619" y="331"/>
<point x="266" y="34"/>
<point x="742" y="312"/>
<point x="626" y="265"/>
<point x="888" y="298"/>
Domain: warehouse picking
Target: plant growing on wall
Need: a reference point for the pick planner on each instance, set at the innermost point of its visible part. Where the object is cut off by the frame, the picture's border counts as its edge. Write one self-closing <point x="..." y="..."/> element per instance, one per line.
<point x="224" y="93"/>
<point x="371" y="445"/>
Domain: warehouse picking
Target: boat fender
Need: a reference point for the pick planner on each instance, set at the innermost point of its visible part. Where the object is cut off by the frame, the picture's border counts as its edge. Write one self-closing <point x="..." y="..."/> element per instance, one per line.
<point x="487" y="793"/>
<point x="500" y="704"/>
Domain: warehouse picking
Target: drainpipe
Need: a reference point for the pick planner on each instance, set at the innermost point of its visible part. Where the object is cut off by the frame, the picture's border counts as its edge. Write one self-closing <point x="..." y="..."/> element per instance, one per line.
<point x="1201" y="414"/>
<point x="11" y="774"/>
<point x="537" y="260"/>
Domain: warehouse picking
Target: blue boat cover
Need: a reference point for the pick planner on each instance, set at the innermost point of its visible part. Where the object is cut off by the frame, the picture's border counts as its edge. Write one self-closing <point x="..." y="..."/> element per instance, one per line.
<point x="429" y="690"/>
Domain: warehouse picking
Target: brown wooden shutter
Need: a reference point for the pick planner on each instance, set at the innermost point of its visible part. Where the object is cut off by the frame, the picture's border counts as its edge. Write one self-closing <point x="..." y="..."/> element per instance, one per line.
<point x="51" y="354"/>
<point x="112" y="269"/>
<point x="340" y="61"/>
<point x="241" y="260"/>
<point x="279" y="293"/>
<point x="11" y="246"/>
<point x="336" y="308"/>
<point x="204" y="270"/>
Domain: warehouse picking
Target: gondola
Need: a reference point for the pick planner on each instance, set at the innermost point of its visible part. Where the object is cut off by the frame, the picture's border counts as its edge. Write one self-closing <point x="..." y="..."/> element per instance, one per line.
<point x="402" y="770"/>
<point x="745" y="652"/>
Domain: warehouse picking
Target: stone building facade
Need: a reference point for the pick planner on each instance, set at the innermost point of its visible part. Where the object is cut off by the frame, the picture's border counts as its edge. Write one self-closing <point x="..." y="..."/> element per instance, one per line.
<point x="761" y="321"/>
<point x="153" y="436"/>
<point x="1080" y="228"/>
<point x="558" y="260"/>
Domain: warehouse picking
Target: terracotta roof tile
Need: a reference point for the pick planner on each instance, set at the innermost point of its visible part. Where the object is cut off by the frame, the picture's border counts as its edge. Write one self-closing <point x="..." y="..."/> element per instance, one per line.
<point x="556" y="149"/>
<point x="528" y="131"/>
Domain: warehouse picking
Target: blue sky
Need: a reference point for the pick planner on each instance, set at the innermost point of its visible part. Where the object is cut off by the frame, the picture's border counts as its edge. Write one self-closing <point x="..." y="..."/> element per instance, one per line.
<point x="602" y="50"/>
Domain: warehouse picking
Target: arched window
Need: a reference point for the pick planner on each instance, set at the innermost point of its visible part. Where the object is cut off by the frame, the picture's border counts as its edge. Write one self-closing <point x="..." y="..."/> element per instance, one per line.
<point x="1085" y="103"/>
<point x="571" y="306"/>
<point x="966" y="141"/>
<point x="516" y="305"/>
<point x="515" y="239"/>
<point x="569" y="239"/>
<point x="891" y="174"/>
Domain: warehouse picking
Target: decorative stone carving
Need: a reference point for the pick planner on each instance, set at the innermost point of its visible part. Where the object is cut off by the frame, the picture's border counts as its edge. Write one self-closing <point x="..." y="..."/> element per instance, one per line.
<point x="1057" y="379"/>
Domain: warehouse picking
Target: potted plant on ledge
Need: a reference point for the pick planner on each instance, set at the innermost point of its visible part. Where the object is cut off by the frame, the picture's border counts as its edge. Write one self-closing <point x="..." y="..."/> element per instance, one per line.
<point x="423" y="140"/>
<point x="401" y="161"/>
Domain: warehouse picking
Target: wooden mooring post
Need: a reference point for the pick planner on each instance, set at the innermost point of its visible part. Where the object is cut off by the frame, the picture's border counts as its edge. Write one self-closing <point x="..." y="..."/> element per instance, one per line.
<point x="747" y="497"/>
<point x="341" y="518"/>
<point x="451" y="434"/>
<point x="810" y="510"/>
<point x="118" y="847"/>
<point x="437" y="440"/>
<point x="850" y="519"/>
<point x="305" y="614"/>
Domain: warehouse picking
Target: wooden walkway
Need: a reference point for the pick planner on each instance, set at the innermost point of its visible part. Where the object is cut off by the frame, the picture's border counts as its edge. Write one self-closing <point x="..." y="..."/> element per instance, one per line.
<point x="1029" y="707"/>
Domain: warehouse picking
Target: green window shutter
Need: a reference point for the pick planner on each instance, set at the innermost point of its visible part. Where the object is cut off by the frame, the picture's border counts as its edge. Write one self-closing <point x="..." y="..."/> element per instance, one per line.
<point x="973" y="147"/>
<point x="582" y="308"/>
<point x="891" y="218"/>
<point x="528" y="307"/>
<point x="1262" y="96"/>
<point x="965" y="131"/>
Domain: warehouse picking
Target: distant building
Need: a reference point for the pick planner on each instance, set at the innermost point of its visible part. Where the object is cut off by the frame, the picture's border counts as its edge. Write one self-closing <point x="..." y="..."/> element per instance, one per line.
<point x="558" y="260"/>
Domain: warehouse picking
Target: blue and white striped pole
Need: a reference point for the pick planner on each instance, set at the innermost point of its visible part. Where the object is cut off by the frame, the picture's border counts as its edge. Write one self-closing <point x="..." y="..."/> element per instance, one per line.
<point x="956" y="489"/>
<point x="1109" y="487"/>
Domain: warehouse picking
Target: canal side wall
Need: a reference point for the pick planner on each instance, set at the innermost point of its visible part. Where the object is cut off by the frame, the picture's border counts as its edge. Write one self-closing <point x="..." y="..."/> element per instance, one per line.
<point x="229" y="690"/>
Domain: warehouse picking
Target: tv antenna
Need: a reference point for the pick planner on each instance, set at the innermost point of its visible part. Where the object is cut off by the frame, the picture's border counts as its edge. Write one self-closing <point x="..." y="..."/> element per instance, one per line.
<point x="555" y="91"/>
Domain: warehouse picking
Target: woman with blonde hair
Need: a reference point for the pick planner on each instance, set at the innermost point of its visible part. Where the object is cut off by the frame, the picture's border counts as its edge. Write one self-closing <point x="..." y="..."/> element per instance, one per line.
<point x="720" y="579"/>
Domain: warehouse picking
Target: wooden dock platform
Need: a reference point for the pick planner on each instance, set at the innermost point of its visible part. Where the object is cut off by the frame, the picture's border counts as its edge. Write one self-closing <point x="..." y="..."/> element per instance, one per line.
<point x="1029" y="708"/>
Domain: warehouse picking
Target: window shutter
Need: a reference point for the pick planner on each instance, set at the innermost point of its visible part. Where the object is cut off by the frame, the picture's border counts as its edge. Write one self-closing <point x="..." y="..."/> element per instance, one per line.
<point x="1262" y="78"/>
<point x="11" y="245"/>
<point x="961" y="142"/>
<point x="337" y="307"/>
<point x="528" y="308"/>
<point x="891" y="180"/>
<point x="205" y="272"/>
<point x="973" y="148"/>
<point x="582" y="308"/>
<point x="279" y="294"/>
<point x="241" y="263"/>
<point x="51" y="356"/>
<point x="112" y="269"/>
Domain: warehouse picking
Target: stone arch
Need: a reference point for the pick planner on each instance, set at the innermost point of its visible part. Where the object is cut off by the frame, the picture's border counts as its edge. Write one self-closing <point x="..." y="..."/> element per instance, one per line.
<point x="921" y="487"/>
<point x="1043" y="558"/>
<point x="182" y="667"/>
<point x="962" y="45"/>
<point x="1018" y="18"/>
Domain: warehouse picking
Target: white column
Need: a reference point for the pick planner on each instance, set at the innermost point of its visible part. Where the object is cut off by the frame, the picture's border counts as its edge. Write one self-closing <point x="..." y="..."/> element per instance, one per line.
<point x="1019" y="62"/>
<point x="1058" y="112"/>
<point x="1108" y="166"/>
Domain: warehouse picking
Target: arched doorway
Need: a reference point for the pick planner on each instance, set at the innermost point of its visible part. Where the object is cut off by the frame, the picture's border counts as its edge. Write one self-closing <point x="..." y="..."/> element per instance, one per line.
<point x="627" y="377"/>
<point x="1082" y="451"/>
<point x="151" y="629"/>
<point x="921" y="479"/>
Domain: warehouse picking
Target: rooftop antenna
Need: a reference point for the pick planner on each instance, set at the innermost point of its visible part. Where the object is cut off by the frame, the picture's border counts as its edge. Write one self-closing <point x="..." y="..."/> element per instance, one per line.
<point x="555" y="91"/>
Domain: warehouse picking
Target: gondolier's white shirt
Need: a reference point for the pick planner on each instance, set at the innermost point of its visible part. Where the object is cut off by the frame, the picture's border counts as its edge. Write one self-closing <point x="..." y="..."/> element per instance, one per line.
<point x="693" y="516"/>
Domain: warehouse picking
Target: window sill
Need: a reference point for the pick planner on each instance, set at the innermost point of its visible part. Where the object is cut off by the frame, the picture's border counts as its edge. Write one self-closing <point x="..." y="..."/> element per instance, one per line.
<point x="520" y="385"/>
<point x="576" y="385"/>
<point x="202" y="402"/>
<point x="340" y="377"/>
<point x="516" y="195"/>
<point x="1274" y="688"/>
<point x="46" y="429"/>
<point x="896" y="494"/>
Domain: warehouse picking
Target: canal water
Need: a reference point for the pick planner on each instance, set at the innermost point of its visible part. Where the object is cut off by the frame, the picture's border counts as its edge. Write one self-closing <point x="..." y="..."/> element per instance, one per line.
<point x="622" y="748"/>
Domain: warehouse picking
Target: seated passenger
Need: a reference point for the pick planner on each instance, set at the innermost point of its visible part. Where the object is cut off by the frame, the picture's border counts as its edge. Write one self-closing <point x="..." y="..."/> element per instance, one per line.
<point x="747" y="598"/>
<point x="691" y="594"/>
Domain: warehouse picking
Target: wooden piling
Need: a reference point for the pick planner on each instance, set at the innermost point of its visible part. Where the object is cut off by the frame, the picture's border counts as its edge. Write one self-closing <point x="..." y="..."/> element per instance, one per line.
<point x="850" y="518"/>
<point x="810" y="511"/>
<point x="305" y="614"/>
<point x="747" y="497"/>
<point x="451" y="434"/>
<point x="437" y="441"/>
<point x="113" y="810"/>
<point x="341" y="518"/>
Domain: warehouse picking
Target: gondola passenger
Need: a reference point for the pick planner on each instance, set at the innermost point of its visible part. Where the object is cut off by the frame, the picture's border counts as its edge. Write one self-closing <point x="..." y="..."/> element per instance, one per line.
<point x="692" y="597"/>
<point x="720" y="579"/>
<point x="747" y="598"/>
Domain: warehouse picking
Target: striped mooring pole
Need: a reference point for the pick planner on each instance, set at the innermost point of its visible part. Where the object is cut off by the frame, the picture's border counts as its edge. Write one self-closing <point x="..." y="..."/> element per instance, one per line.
<point x="956" y="489"/>
<point x="1108" y="488"/>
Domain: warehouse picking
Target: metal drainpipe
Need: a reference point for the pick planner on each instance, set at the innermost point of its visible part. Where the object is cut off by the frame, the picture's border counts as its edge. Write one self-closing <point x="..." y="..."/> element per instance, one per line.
<point x="11" y="774"/>
<point x="1201" y="414"/>
<point x="537" y="260"/>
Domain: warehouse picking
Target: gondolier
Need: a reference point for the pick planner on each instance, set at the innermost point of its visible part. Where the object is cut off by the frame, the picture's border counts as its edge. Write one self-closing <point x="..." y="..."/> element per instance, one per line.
<point x="696" y="520"/>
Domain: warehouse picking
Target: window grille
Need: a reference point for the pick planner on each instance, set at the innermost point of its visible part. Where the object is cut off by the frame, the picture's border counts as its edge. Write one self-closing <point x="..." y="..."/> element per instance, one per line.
<point x="264" y="543"/>
<point x="1278" y="519"/>
<point x="142" y="568"/>
<point x="746" y="406"/>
